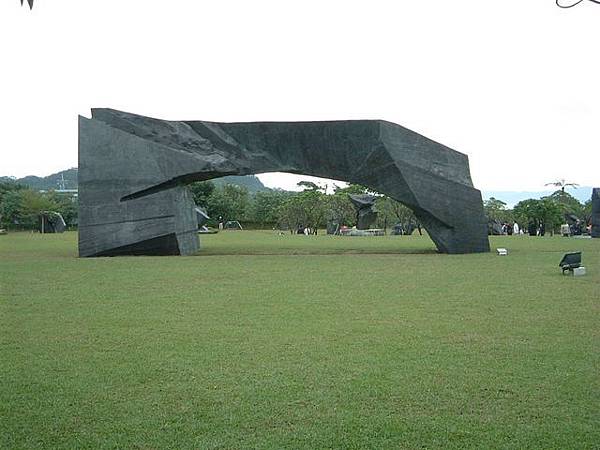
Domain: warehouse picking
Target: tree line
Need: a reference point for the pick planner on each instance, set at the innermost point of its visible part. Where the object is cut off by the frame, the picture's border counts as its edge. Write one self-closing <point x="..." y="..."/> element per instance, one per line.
<point x="20" y="206"/>
<point x="550" y="211"/>
<point x="311" y="207"/>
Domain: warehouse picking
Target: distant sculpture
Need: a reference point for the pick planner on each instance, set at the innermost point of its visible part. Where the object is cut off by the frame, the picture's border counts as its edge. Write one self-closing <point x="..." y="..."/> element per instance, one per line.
<point x="332" y="227"/>
<point x="596" y="213"/>
<point x="201" y="216"/>
<point x="133" y="170"/>
<point x="495" y="227"/>
<point x="365" y="215"/>
<point x="51" y="222"/>
<point x="398" y="230"/>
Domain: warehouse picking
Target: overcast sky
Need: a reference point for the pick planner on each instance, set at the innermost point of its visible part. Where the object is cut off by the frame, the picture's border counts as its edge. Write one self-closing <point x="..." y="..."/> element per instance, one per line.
<point x="514" y="84"/>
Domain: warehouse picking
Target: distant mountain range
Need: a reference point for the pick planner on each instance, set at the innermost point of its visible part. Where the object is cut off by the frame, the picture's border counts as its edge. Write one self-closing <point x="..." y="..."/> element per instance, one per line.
<point x="67" y="179"/>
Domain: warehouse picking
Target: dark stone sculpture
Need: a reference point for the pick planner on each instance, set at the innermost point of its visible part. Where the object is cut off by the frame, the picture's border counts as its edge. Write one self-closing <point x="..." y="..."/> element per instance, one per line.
<point x="201" y="216"/>
<point x="30" y="2"/>
<point x="405" y="229"/>
<point x="333" y="227"/>
<point x="365" y="215"/>
<point x="132" y="172"/>
<point x="596" y="213"/>
<point x="51" y="222"/>
<point x="495" y="227"/>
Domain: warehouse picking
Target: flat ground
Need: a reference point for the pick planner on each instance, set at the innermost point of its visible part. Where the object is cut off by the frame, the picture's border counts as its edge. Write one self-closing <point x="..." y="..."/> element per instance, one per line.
<point x="267" y="341"/>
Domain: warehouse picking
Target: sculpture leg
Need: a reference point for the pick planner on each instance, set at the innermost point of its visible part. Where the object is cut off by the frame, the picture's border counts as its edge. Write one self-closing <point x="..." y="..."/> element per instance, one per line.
<point x="111" y="162"/>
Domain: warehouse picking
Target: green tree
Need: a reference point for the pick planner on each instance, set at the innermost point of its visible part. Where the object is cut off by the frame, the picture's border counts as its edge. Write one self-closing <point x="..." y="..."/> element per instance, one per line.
<point x="306" y="208"/>
<point x="24" y="206"/>
<point x="339" y="209"/>
<point x="266" y="204"/>
<point x="201" y="191"/>
<point x="65" y="205"/>
<point x="10" y="209"/>
<point x="495" y="209"/>
<point x="544" y="211"/>
<point x="391" y="212"/>
<point x="10" y="202"/>
<point x="229" y="201"/>
<point x="567" y="203"/>
<point x="34" y="203"/>
<point x="9" y="185"/>
<point x="353" y="189"/>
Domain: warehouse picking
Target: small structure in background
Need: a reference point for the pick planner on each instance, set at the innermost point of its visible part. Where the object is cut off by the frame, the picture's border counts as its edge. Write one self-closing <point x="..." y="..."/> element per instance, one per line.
<point x="402" y="230"/>
<point x="502" y="251"/>
<point x="571" y="262"/>
<point x="52" y="222"/>
<point x="345" y="231"/>
<point x="333" y="228"/>
<point x="576" y="227"/>
<point x="495" y="227"/>
<point x="397" y="230"/>
<point x="233" y="225"/>
<point x="365" y="214"/>
<point x="596" y="213"/>
<point x="202" y="218"/>
<point x="3" y="231"/>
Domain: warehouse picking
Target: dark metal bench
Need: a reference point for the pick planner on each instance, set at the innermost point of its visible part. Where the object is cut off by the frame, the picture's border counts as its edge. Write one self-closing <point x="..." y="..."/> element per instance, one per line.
<point x="570" y="261"/>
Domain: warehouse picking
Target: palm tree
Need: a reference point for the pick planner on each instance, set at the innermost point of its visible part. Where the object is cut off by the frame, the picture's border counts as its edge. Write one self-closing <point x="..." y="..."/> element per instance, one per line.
<point x="562" y="184"/>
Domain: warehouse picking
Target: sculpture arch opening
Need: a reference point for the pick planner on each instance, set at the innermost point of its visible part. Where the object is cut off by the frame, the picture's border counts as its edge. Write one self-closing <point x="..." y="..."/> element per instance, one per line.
<point x="277" y="202"/>
<point x="133" y="169"/>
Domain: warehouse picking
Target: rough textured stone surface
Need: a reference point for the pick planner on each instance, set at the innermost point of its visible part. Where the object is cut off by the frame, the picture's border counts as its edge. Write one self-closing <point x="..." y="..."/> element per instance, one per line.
<point x="596" y="213"/>
<point x="365" y="215"/>
<point x="132" y="172"/>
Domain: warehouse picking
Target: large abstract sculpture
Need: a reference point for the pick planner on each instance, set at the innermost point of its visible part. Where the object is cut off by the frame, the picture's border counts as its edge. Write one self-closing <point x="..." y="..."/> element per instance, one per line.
<point x="596" y="213"/>
<point x="133" y="170"/>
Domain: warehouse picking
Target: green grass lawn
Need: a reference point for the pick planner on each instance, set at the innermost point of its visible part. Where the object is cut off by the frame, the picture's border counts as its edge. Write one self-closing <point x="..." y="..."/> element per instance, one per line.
<point x="266" y="341"/>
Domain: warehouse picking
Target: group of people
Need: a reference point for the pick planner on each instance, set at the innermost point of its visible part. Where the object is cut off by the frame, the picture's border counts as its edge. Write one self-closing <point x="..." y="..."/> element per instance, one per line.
<point x="533" y="229"/>
<point x="539" y="229"/>
<point x="511" y="228"/>
<point x="306" y="230"/>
